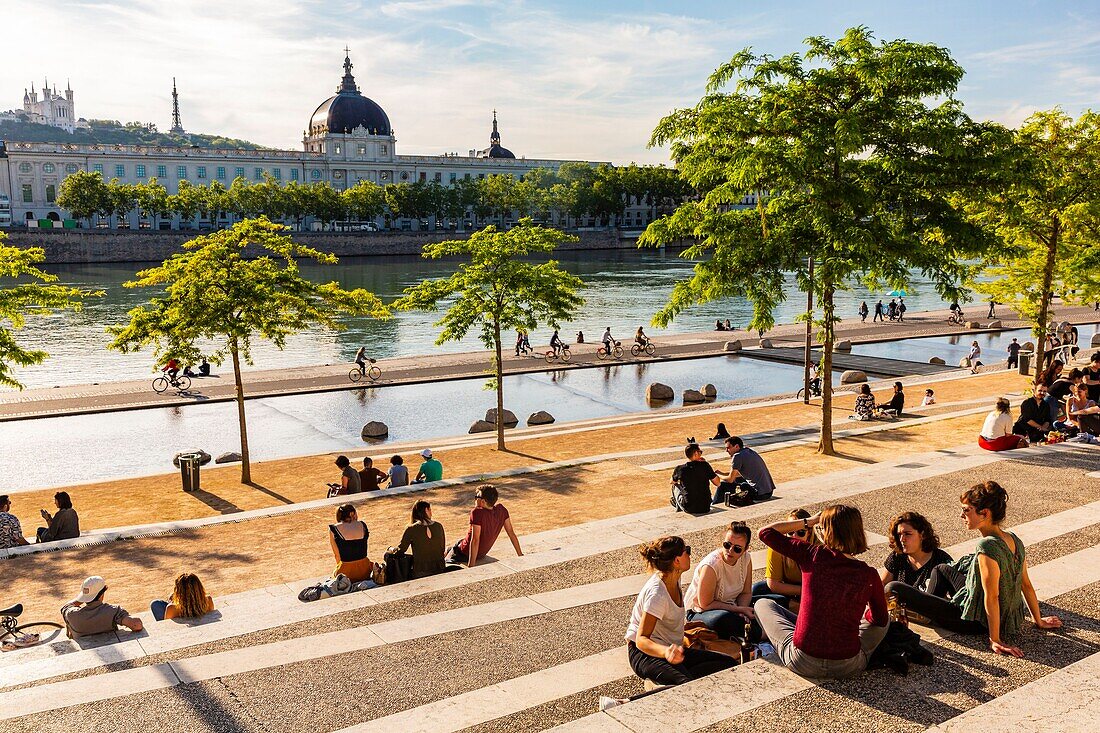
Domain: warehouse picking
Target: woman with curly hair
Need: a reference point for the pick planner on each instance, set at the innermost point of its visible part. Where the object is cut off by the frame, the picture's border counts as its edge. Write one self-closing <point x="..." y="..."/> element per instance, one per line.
<point x="914" y="551"/>
<point x="188" y="600"/>
<point x="983" y="593"/>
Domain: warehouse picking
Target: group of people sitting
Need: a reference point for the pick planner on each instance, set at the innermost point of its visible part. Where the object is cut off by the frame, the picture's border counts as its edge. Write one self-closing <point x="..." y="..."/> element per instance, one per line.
<point x="865" y="407"/>
<point x="1063" y="402"/>
<point x="64" y="524"/>
<point x="748" y="477"/>
<point x="369" y="478"/>
<point x="822" y="610"/>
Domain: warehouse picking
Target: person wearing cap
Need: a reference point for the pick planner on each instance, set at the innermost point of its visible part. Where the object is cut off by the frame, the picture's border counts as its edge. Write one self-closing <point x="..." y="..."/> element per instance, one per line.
<point x="430" y="470"/>
<point x="349" y="478"/>
<point x="87" y="613"/>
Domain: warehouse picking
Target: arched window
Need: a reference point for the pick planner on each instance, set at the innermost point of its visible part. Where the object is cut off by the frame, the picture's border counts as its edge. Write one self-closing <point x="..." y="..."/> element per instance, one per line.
<point x="48" y="167"/>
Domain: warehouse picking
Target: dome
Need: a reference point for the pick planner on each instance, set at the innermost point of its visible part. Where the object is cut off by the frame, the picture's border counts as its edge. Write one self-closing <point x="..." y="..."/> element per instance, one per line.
<point x="349" y="109"/>
<point x="498" y="151"/>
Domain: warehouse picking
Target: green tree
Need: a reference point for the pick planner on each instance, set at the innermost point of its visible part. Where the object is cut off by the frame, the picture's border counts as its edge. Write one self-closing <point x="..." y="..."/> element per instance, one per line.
<point x="852" y="168"/>
<point x="84" y="194"/>
<point x="1048" y="216"/>
<point x="364" y="201"/>
<point x="214" y="201"/>
<point x="212" y="291"/>
<point x="152" y="200"/>
<point x="186" y="202"/>
<point x="122" y="199"/>
<point x="33" y="292"/>
<point x="496" y="290"/>
<point x="325" y="204"/>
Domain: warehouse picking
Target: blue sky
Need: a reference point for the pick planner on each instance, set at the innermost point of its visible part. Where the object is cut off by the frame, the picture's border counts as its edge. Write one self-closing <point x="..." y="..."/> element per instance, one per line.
<point x="570" y="79"/>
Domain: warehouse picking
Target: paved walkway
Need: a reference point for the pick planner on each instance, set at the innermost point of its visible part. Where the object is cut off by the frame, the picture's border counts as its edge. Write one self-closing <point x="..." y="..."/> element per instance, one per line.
<point x="130" y="395"/>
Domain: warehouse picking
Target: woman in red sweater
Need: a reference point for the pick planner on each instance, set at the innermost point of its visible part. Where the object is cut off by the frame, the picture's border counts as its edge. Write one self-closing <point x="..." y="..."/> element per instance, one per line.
<point x="828" y="638"/>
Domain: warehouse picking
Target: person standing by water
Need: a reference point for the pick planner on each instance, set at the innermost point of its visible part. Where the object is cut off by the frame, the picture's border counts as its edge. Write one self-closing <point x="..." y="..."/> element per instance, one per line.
<point x="878" y="313"/>
<point x="992" y="308"/>
<point x="1013" y="354"/>
<point x="863" y="311"/>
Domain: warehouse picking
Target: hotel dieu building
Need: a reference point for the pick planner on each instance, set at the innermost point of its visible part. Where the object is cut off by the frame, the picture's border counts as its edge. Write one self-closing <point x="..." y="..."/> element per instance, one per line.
<point x="349" y="139"/>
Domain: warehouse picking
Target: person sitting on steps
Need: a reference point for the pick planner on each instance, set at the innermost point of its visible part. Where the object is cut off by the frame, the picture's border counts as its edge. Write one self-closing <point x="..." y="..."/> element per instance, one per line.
<point x="720" y="593"/>
<point x="984" y="593"/>
<point x="997" y="432"/>
<point x="746" y="465"/>
<point x="895" y="406"/>
<point x="348" y="540"/>
<point x="864" y="408"/>
<point x="487" y="519"/>
<point x="914" y="551"/>
<point x="428" y="542"/>
<point x="87" y="613"/>
<point x="782" y="581"/>
<point x="189" y="599"/>
<point x="690" y="482"/>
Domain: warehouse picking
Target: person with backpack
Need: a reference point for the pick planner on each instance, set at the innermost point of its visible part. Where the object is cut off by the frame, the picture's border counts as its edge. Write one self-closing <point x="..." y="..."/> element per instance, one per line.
<point x="748" y="474"/>
<point x="691" y="482"/>
<point x="901" y="309"/>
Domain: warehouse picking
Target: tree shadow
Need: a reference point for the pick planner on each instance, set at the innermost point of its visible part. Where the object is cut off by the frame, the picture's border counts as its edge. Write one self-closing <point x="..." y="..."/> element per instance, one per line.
<point x="514" y="452"/>
<point x="269" y="492"/>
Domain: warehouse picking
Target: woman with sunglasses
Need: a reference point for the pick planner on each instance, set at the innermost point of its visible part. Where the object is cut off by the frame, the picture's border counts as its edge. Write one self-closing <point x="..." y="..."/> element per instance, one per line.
<point x="655" y="636"/>
<point x="720" y="594"/>
<point x="828" y="638"/>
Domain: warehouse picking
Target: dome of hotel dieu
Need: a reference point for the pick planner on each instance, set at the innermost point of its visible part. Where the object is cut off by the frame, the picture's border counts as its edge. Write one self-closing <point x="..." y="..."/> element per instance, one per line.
<point x="348" y="110"/>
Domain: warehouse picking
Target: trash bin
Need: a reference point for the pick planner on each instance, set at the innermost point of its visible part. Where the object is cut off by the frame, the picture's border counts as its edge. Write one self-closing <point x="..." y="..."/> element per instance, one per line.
<point x="1025" y="363"/>
<point x="189" y="471"/>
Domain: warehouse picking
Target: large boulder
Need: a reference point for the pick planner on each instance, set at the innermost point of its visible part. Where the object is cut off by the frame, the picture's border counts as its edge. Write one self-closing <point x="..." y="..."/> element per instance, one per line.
<point x="965" y="363"/>
<point x="1096" y="339"/>
<point x="658" y="392"/>
<point x="994" y="324"/>
<point x="510" y="419"/>
<point x="540" y="418"/>
<point x="482" y="426"/>
<point x="374" y="430"/>
<point x="230" y="457"/>
<point x="693" y="396"/>
<point x="709" y="391"/>
<point x="766" y="344"/>
<point x="973" y="324"/>
<point x="937" y="360"/>
<point x="734" y="345"/>
<point x="204" y="457"/>
<point x="844" y="345"/>
<point x="853" y="376"/>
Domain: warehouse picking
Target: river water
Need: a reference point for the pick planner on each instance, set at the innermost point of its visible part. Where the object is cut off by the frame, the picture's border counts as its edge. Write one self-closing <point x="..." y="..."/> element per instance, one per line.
<point x="623" y="289"/>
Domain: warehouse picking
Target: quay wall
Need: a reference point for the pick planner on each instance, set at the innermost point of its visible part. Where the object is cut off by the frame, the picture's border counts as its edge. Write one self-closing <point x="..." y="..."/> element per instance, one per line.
<point x="90" y="246"/>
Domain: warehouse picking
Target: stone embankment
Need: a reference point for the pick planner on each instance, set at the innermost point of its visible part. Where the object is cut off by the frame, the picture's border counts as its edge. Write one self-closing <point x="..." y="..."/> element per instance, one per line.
<point x="90" y="246"/>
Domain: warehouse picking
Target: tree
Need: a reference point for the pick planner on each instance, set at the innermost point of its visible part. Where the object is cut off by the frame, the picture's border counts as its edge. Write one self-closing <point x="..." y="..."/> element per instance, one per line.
<point x="211" y="291"/>
<point x="364" y="201"/>
<point x="152" y="200"/>
<point x="122" y="198"/>
<point x="186" y="202"/>
<point x="496" y="290"/>
<point x="84" y="194"/>
<point x="852" y="168"/>
<point x="1048" y="216"/>
<point x="32" y="293"/>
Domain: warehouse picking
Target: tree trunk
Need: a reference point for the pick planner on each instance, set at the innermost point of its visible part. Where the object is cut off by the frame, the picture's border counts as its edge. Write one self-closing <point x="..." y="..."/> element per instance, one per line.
<point x="246" y="470"/>
<point x="1044" y="302"/>
<point x="499" y="365"/>
<point x="825" y="444"/>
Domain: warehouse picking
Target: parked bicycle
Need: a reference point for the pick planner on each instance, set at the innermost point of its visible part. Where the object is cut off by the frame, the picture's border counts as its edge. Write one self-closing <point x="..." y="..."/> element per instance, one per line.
<point x="181" y="382"/>
<point x="561" y="354"/>
<point x="616" y="351"/>
<point x="638" y="349"/>
<point x="19" y="635"/>
<point x="372" y="372"/>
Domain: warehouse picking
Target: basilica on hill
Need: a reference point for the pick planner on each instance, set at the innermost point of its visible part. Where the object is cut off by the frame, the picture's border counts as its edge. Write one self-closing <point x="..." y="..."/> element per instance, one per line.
<point x="349" y="138"/>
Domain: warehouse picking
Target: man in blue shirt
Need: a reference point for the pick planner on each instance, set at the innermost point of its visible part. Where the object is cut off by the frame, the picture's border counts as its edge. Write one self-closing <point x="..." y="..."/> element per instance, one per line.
<point x="746" y="464"/>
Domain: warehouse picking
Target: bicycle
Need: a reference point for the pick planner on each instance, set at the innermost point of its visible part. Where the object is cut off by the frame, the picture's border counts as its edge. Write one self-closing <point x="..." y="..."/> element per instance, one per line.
<point x="956" y="317"/>
<point x="180" y="382"/>
<point x="16" y="634"/>
<point x="616" y="351"/>
<point x="815" y="389"/>
<point x="562" y="354"/>
<point x="637" y="349"/>
<point x="373" y="373"/>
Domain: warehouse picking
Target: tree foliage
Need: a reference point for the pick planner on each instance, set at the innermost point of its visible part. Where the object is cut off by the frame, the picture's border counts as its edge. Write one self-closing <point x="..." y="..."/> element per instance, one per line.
<point x="850" y="152"/>
<point x="496" y="290"/>
<point x="32" y="292"/>
<point x="1048" y="216"/>
<point x="214" y="292"/>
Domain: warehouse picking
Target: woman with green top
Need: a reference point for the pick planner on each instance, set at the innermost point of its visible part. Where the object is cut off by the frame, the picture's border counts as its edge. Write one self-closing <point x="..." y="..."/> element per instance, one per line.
<point x="427" y="539"/>
<point x="983" y="593"/>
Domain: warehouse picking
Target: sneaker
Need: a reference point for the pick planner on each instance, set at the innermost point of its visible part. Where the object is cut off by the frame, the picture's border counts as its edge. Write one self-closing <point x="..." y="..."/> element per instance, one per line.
<point x="606" y="703"/>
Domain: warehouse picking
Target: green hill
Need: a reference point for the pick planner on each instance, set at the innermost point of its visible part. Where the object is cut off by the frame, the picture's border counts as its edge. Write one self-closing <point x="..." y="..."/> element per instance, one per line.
<point x="113" y="132"/>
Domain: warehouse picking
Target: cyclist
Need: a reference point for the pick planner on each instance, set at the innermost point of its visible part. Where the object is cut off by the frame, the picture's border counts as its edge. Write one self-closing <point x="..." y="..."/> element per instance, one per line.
<point x="640" y="338"/>
<point x="556" y="343"/>
<point x="608" y="340"/>
<point x="815" y="379"/>
<point x="172" y="369"/>
<point x="956" y="311"/>
<point x="361" y="360"/>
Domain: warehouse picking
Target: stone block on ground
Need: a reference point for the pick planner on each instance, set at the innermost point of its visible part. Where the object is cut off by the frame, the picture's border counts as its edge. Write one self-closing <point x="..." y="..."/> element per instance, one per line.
<point x="844" y="345"/>
<point x="693" y="396"/>
<point x="709" y="391"/>
<point x="658" y="392"/>
<point x="510" y="419"/>
<point x="540" y="418"/>
<point x="973" y="324"/>
<point x="734" y="345"/>
<point x="228" y="457"/>
<point x="853" y="376"/>
<point x="482" y="426"/>
<point x="766" y="344"/>
<point x="994" y="324"/>
<point x="204" y="457"/>
<point x="937" y="360"/>
<point x="375" y="429"/>
<point x="1096" y="339"/>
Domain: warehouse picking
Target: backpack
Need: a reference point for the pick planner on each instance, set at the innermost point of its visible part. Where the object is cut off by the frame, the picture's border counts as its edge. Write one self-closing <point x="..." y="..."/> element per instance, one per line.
<point x="398" y="567"/>
<point x="743" y="493"/>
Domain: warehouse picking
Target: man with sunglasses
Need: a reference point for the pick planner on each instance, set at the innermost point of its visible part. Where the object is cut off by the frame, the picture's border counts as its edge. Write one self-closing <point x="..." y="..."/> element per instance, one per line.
<point x="1034" y="419"/>
<point x="746" y="465"/>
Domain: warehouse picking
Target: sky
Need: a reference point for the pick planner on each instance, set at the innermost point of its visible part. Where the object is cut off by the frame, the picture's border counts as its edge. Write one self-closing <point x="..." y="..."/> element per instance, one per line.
<point x="570" y="79"/>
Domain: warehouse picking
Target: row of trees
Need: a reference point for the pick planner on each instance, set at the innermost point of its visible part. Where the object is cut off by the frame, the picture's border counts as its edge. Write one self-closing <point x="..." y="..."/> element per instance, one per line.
<point x="574" y="190"/>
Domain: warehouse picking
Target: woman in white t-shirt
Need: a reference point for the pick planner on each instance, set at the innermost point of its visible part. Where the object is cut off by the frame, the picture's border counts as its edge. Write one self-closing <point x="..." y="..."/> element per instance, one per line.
<point x="720" y="594"/>
<point x="996" y="433"/>
<point x="655" y="636"/>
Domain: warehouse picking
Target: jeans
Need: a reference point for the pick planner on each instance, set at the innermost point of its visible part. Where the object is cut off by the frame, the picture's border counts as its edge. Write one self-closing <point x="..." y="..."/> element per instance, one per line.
<point x="778" y="623"/>
<point x="727" y="624"/>
<point x="697" y="663"/>
<point x="760" y="590"/>
<point x="157" y="608"/>
<point x="937" y="609"/>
